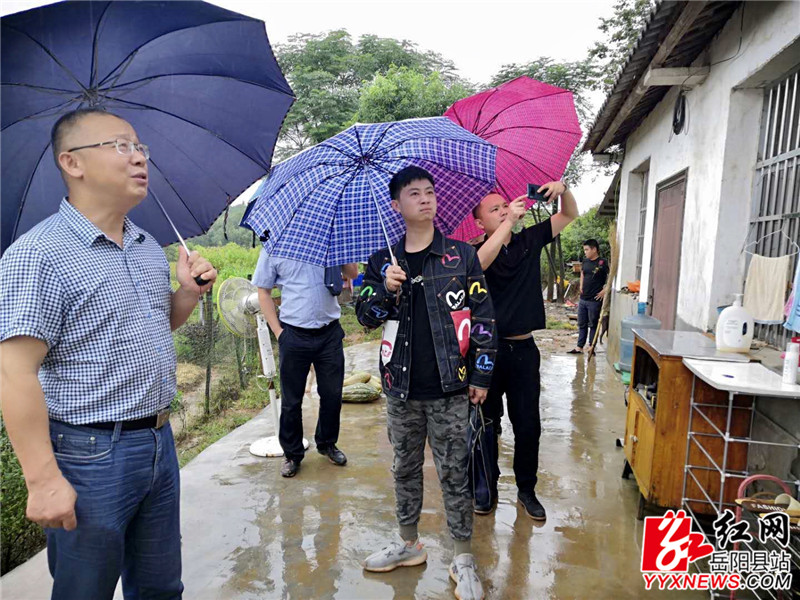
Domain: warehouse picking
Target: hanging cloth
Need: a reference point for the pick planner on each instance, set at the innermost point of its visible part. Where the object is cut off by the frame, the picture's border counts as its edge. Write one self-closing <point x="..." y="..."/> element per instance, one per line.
<point x="765" y="288"/>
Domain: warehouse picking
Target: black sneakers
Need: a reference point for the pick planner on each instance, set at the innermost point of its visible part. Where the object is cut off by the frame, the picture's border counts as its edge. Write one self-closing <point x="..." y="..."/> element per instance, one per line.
<point x="532" y="506"/>
<point x="334" y="455"/>
<point x="290" y="467"/>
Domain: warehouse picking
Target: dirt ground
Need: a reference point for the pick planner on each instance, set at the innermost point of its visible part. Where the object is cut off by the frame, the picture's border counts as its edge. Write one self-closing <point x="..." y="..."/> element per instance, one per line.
<point x="561" y="333"/>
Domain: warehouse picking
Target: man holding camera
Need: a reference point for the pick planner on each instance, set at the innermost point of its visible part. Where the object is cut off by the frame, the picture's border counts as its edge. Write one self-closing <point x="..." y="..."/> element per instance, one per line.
<point x="511" y="263"/>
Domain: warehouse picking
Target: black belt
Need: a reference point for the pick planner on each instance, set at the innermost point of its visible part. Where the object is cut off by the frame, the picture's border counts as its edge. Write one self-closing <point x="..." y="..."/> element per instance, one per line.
<point x="153" y="422"/>
<point x="319" y="331"/>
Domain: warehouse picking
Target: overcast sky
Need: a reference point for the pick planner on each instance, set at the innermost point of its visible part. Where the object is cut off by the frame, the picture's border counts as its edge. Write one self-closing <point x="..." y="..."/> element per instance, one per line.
<point x="479" y="37"/>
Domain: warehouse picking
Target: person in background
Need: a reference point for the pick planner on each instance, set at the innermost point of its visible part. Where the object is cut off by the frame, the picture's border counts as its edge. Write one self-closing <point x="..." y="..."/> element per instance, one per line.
<point x="594" y="273"/>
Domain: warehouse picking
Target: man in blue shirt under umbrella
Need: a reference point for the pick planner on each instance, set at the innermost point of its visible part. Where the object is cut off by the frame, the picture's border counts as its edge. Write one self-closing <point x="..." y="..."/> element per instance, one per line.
<point x="308" y="333"/>
<point x="88" y="370"/>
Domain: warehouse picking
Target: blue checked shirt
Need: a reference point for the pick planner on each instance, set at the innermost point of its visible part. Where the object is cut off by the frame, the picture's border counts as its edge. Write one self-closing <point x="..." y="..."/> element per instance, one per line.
<point x="305" y="301"/>
<point x="103" y="312"/>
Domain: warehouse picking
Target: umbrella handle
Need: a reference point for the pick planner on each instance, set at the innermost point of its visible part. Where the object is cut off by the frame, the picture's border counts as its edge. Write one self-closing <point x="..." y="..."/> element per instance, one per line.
<point x="397" y="293"/>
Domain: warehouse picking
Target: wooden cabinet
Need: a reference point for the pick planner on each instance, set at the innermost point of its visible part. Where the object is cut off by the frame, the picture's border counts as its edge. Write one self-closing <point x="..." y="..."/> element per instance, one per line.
<point x="657" y="424"/>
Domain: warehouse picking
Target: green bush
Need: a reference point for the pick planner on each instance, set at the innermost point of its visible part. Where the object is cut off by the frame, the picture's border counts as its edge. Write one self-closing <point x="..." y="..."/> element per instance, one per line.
<point x="19" y="538"/>
<point x="183" y="348"/>
<point x="588" y="225"/>
<point x="226" y="392"/>
<point x="191" y="342"/>
<point x="231" y="260"/>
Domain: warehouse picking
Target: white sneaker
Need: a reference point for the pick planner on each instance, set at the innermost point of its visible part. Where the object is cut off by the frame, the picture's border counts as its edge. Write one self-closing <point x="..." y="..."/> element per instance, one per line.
<point x="464" y="573"/>
<point x="396" y="554"/>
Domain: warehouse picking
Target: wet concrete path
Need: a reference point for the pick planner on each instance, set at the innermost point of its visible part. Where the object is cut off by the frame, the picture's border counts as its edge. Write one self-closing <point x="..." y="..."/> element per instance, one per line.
<point x="250" y="534"/>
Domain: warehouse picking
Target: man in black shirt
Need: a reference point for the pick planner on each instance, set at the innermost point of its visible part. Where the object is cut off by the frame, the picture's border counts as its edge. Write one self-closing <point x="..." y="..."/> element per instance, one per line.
<point x="594" y="272"/>
<point x="511" y="265"/>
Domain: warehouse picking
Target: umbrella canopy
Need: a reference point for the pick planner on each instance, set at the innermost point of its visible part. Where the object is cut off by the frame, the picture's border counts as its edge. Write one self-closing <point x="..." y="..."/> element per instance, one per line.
<point x="330" y="204"/>
<point x="200" y="85"/>
<point x="535" y="128"/>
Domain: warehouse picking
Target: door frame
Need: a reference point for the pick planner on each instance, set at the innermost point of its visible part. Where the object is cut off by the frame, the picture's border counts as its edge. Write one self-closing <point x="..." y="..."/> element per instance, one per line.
<point x="665" y="183"/>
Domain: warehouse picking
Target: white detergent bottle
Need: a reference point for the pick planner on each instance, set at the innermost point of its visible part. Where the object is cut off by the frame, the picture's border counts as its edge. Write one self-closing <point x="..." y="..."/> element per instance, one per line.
<point x="734" y="328"/>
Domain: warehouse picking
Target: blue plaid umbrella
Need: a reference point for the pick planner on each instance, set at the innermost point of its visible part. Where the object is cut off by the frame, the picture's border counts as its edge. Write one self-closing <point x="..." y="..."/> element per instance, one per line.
<point x="330" y="205"/>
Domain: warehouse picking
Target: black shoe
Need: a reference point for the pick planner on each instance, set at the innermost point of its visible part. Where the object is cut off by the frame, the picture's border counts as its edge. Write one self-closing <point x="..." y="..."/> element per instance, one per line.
<point x="532" y="506"/>
<point x="334" y="455"/>
<point x="290" y="467"/>
<point x="483" y="509"/>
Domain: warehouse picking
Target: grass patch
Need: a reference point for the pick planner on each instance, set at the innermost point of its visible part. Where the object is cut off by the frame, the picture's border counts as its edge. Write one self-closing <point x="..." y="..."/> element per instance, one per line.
<point x="210" y="430"/>
<point x="231" y="407"/>
<point x="354" y="332"/>
<point x="189" y="376"/>
<point x="559" y="324"/>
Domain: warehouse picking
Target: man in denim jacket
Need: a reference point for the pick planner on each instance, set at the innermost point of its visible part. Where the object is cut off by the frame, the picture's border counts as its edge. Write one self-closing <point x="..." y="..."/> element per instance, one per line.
<point x="436" y="357"/>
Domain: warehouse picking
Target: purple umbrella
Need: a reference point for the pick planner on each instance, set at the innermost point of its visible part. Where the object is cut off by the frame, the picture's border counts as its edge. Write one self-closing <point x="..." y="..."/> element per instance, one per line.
<point x="535" y="129"/>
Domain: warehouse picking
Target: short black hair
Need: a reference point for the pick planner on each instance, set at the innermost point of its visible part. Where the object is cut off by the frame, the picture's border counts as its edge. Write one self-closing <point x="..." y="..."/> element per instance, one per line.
<point x="66" y="122"/>
<point x="592" y="243"/>
<point x="405" y="176"/>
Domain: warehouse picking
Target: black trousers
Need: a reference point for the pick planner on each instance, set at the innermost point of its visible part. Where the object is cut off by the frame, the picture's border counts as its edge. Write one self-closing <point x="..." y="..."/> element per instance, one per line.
<point x="588" y="317"/>
<point x="298" y="350"/>
<point x="516" y="374"/>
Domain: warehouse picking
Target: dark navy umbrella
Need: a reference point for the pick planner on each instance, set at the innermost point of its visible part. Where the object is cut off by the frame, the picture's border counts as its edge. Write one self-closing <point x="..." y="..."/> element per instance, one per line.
<point x="483" y="470"/>
<point x="200" y="85"/>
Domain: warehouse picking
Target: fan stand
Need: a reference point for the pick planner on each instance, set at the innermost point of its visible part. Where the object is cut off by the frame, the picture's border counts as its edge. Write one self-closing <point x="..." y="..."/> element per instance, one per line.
<point x="269" y="447"/>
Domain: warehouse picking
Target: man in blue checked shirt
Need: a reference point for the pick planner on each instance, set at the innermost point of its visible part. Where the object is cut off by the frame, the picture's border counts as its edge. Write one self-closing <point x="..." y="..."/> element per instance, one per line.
<point x="88" y="370"/>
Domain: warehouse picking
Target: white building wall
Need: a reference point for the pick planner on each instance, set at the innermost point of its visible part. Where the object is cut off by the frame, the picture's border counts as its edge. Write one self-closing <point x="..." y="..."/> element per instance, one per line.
<point x="718" y="150"/>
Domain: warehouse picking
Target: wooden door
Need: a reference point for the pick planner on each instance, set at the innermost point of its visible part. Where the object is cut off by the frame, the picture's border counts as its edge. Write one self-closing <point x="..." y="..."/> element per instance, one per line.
<point x="666" y="260"/>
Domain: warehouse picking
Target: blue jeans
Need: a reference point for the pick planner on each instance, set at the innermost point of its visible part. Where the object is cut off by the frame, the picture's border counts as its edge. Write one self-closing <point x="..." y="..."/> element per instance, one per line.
<point x="127" y="510"/>
<point x="588" y="316"/>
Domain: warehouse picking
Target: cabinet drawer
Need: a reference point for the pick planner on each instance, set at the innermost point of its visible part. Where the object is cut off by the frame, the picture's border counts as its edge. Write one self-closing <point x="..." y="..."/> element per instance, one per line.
<point x="639" y="438"/>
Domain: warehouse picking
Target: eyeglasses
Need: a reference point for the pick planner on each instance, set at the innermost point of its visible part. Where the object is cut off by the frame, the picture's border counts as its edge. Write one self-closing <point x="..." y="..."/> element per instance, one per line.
<point x="124" y="147"/>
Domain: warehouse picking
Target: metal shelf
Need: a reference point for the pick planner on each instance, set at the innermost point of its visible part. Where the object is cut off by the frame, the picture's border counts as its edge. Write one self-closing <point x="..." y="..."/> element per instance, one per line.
<point x="696" y="439"/>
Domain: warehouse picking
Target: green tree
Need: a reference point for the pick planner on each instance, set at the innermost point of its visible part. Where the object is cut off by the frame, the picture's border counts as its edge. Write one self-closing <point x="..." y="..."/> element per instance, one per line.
<point x="620" y="31"/>
<point x="586" y="226"/>
<point x="579" y="77"/>
<point x="327" y="73"/>
<point x="403" y="93"/>
<point x="236" y="235"/>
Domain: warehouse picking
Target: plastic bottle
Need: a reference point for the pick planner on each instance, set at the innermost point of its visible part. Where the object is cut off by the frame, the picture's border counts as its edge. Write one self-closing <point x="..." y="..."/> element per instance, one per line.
<point x="637" y="321"/>
<point x="790" y="363"/>
<point x="734" y="328"/>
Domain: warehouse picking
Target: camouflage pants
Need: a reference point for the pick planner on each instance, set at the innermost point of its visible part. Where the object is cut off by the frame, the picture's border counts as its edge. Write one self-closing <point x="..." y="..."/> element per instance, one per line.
<point x="444" y="422"/>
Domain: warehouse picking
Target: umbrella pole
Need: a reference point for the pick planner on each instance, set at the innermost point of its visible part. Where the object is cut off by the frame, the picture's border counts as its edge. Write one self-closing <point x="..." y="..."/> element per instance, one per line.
<point x="383" y="228"/>
<point x="198" y="280"/>
<point x="380" y="219"/>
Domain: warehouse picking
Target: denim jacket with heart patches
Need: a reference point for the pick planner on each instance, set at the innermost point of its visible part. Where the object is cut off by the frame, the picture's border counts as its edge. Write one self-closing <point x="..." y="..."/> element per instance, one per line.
<point x="460" y="311"/>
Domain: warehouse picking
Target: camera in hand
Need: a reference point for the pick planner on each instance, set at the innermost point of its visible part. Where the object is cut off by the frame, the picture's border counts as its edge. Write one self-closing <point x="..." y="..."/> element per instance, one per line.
<point x="533" y="194"/>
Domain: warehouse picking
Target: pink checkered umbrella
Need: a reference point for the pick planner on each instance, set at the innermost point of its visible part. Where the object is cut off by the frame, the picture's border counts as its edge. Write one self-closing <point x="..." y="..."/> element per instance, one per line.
<point x="535" y="128"/>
